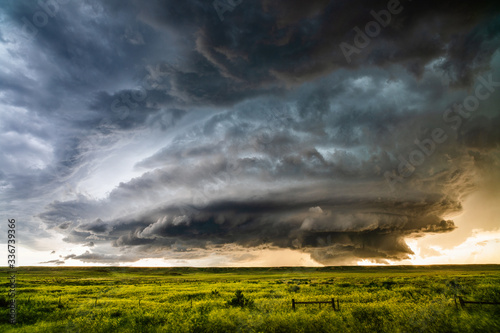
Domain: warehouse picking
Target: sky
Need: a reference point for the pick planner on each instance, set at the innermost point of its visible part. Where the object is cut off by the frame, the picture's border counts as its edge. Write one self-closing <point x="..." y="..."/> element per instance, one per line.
<point x="250" y="133"/>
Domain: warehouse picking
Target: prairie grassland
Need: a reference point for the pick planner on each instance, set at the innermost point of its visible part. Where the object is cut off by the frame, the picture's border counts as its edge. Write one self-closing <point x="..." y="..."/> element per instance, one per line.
<point x="372" y="299"/>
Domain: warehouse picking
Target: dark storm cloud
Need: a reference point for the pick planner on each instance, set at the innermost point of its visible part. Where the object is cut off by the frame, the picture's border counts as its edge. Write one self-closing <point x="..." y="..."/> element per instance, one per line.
<point x="277" y="138"/>
<point x="74" y="59"/>
<point x="260" y="48"/>
<point x="121" y="111"/>
<point x="96" y="227"/>
<point x="361" y="227"/>
<point x="272" y="44"/>
<point x="341" y="212"/>
<point x="481" y="133"/>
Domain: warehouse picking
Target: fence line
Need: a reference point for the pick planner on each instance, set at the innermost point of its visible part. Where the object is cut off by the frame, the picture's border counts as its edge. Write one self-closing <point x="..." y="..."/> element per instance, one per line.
<point x="463" y="302"/>
<point x="332" y="302"/>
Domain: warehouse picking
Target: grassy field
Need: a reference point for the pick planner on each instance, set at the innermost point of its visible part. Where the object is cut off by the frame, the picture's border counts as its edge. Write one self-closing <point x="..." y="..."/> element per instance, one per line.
<point x="372" y="299"/>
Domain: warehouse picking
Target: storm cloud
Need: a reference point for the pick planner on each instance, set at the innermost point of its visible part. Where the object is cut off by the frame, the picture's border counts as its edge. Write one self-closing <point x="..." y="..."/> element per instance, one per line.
<point x="159" y="130"/>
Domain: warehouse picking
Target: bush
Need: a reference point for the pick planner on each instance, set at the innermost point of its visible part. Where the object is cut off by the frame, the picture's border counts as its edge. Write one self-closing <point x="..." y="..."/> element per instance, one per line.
<point x="239" y="300"/>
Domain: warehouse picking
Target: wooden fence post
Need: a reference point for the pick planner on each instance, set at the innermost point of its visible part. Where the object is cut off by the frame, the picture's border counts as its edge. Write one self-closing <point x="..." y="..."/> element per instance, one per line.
<point x="332" y="302"/>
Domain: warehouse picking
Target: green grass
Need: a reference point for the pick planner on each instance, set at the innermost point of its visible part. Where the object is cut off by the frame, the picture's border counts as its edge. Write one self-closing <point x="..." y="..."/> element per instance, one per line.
<point x="372" y="299"/>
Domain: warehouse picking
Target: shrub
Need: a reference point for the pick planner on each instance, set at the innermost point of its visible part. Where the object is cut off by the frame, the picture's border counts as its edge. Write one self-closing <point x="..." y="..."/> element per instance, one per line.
<point x="4" y="302"/>
<point x="240" y="300"/>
